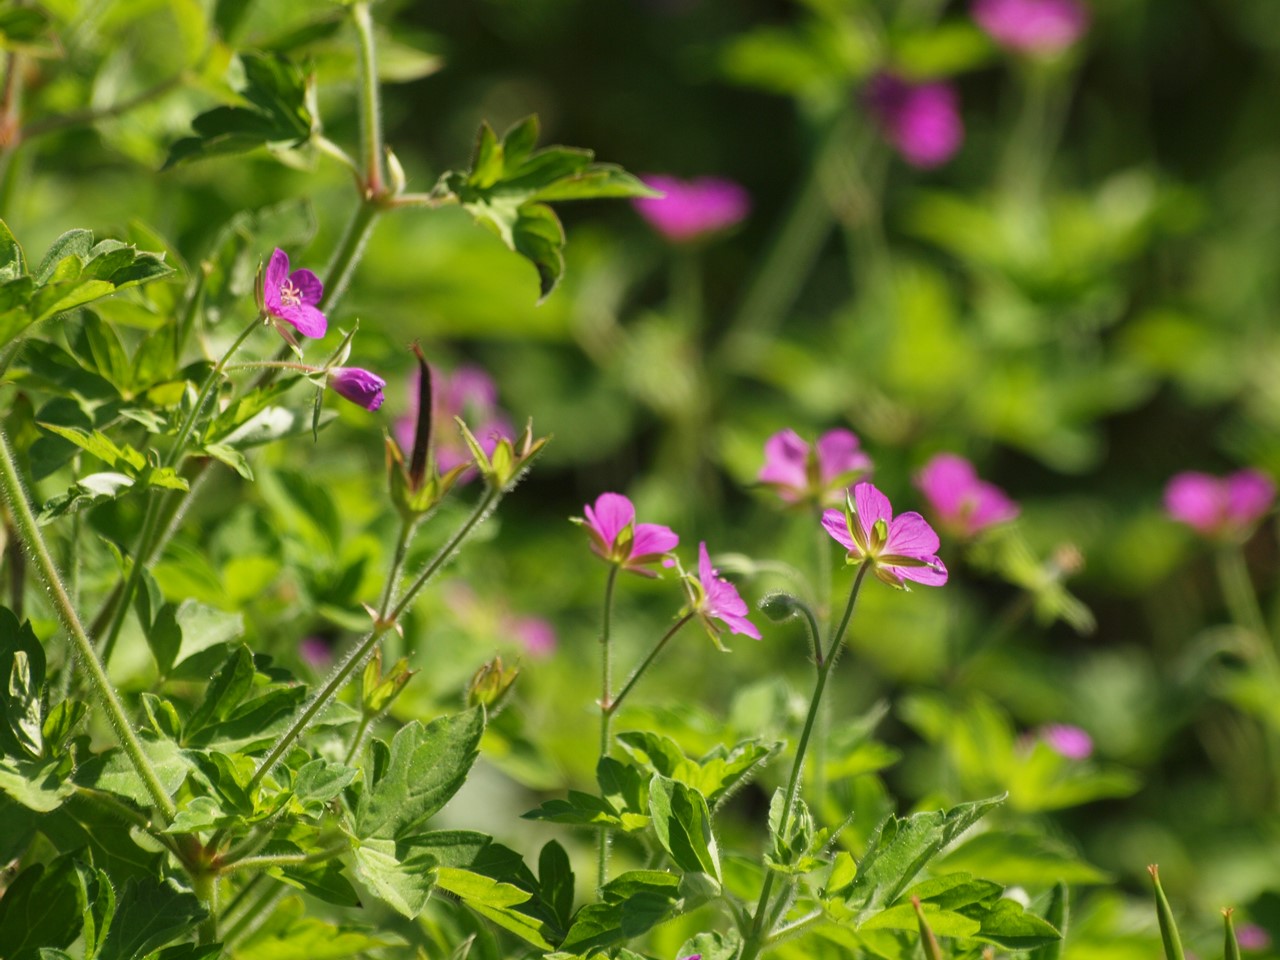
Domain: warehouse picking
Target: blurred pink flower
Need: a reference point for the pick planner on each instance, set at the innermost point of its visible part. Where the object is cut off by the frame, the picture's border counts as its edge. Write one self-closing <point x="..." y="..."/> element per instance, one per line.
<point x="1250" y="936"/>
<point x="901" y="548"/>
<point x="691" y="209"/>
<point x="819" y="473"/>
<point x="316" y="651"/>
<point x="293" y="297"/>
<point x="921" y="120"/>
<point x="470" y="393"/>
<point x="963" y="504"/>
<point x="617" y="538"/>
<point x="1032" y="26"/>
<point x="1068" y="741"/>
<point x="537" y="635"/>
<point x="719" y="600"/>
<point x="1220" y="507"/>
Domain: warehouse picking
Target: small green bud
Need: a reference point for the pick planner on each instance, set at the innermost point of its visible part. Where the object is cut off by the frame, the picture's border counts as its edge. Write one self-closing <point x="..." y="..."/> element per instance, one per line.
<point x="780" y="607"/>
<point x="490" y="685"/>
<point x="377" y="691"/>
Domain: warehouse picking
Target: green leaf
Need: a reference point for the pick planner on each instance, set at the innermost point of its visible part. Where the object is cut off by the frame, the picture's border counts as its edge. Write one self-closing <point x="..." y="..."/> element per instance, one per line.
<point x="555" y="882"/>
<point x="496" y="901"/>
<point x="75" y="244"/>
<point x="902" y="916"/>
<point x="112" y="771"/>
<point x="320" y="780"/>
<point x="40" y="908"/>
<point x="901" y="848"/>
<point x="1007" y="925"/>
<point x="164" y="637"/>
<point x="288" y="934"/>
<point x="224" y="693"/>
<point x="1022" y="857"/>
<point x="405" y="886"/>
<point x="631" y="904"/>
<point x="712" y="946"/>
<point x="683" y="825"/>
<point x="449" y="848"/>
<point x="1056" y="916"/>
<point x="22" y="668"/>
<point x="149" y="914"/>
<point x="38" y="785"/>
<point x="426" y="767"/>
<point x="583" y="809"/>
<point x="12" y="262"/>
<point x="274" y="112"/>
<point x="202" y="813"/>
<point x="323" y="880"/>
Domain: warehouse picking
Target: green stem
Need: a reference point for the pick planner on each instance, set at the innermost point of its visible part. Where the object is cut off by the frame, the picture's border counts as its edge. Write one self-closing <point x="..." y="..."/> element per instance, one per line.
<point x="614" y="704"/>
<point x="757" y="936"/>
<point x="356" y="741"/>
<point x="686" y="290"/>
<point x="48" y="572"/>
<point x="606" y="714"/>
<point x="795" y="927"/>
<point x="342" y="265"/>
<point x="266" y="861"/>
<point x="205" y="886"/>
<point x="370" y="107"/>
<point x="252" y="917"/>
<point x="179" y="447"/>
<point x="1237" y="590"/>
<point x="408" y="526"/>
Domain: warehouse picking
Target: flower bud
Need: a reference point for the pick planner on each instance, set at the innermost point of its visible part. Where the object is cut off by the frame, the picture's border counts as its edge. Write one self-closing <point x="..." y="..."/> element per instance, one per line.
<point x="509" y="459"/>
<point x="377" y="690"/>
<point x="490" y="685"/>
<point x="780" y="607"/>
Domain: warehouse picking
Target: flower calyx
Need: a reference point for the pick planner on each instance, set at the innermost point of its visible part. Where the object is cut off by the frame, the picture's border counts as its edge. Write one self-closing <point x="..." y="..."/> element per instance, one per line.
<point x="503" y="467"/>
<point x="378" y="690"/>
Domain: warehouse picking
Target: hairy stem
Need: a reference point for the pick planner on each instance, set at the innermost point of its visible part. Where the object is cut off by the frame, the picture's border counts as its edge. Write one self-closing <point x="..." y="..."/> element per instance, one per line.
<point x="370" y="105"/>
<point x="616" y="702"/>
<point x="606" y="715"/>
<point x="48" y="573"/>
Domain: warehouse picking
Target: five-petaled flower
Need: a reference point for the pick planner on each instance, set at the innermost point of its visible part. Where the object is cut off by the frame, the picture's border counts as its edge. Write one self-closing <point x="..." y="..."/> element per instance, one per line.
<point x="963" y="504"/>
<point x="359" y="386"/>
<point x="715" y="598"/>
<point x="1037" y="27"/>
<point x="921" y="120"/>
<point x="617" y="537"/>
<point x="293" y="297"/>
<point x="1223" y="508"/>
<point x="818" y="473"/>
<point x="691" y="209"/>
<point x="899" y="548"/>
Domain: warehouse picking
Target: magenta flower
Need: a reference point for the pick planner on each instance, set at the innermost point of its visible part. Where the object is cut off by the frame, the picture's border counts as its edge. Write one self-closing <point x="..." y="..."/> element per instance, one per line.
<point x="820" y="473"/>
<point x="359" y="386"/>
<point x="1250" y="936"/>
<point x="470" y="393"/>
<point x="691" y="209"/>
<point x="963" y="504"/>
<point x="1224" y="508"/>
<point x="536" y="635"/>
<point x="617" y="537"/>
<point x="899" y="548"/>
<point x="1068" y="741"/>
<point x="1038" y="27"/>
<point x="316" y="651"/>
<point x="921" y="120"/>
<point x="718" y="599"/>
<point x="293" y="297"/>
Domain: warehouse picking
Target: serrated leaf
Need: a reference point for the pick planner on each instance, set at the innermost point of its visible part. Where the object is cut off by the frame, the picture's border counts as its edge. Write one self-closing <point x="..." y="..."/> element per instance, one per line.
<point x="224" y="693"/>
<point x="149" y="914"/>
<point x="404" y="886"/>
<point x="22" y="670"/>
<point x="682" y="823"/>
<point x="555" y="882"/>
<point x="1006" y="924"/>
<point x="497" y="901"/>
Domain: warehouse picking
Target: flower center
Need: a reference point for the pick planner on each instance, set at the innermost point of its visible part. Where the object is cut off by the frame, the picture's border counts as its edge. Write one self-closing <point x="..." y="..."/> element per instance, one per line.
<point x="290" y="295"/>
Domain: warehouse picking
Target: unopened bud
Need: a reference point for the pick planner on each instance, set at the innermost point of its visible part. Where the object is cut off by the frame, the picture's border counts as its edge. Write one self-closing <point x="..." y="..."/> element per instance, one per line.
<point x="377" y="690"/>
<point x="780" y="607"/>
<point x="490" y="685"/>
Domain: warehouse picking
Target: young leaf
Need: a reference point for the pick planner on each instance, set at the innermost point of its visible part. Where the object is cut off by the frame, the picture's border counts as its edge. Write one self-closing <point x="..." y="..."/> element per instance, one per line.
<point x="22" y="668"/>
<point x="683" y="825"/>
<point x="555" y="882"/>
<point x="496" y="901"/>
<point x="405" y="886"/>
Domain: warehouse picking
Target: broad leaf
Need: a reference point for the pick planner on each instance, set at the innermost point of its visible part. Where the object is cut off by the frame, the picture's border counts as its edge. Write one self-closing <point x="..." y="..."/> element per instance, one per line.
<point x="683" y="825"/>
<point x="497" y="901"/>
<point x="149" y="914"/>
<point x="22" y="667"/>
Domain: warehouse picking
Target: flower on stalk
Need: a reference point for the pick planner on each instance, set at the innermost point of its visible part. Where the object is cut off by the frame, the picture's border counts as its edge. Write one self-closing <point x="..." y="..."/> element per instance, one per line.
<point x="1067" y="741"/>
<point x="819" y="473"/>
<point x="714" y="598"/>
<point x="899" y="548"/>
<point x="691" y="209"/>
<point x="361" y="387"/>
<point x="1250" y="936"/>
<point x="618" y="539"/>
<point x="293" y="297"/>
<point x="1037" y="27"/>
<point x="921" y="120"/>
<point x="1221" y="508"/>
<point x="963" y="504"/>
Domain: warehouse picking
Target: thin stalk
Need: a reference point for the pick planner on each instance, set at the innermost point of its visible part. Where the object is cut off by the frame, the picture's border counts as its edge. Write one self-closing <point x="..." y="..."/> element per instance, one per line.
<point x="407" y="529"/>
<point x="357" y="655"/>
<point x="109" y="803"/>
<point x="757" y="935"/>
<point x="616" y="702"/>
<point x="255" y="914"/>
<point x="184" y="432"/>
<point x="82" y="117"/>
<point x="266" y="861"/>
<point x="1237" y="591"/>
<point x="795" y="927"/>
<point x="66" y="611"/>
<point x="342" y="265"/>
<point x="370" y="105"/>
<point x="356" y="741"/>
<point x="205" y="886"/>
<point x="686" y="290"/>
<point x="606" y="715"/>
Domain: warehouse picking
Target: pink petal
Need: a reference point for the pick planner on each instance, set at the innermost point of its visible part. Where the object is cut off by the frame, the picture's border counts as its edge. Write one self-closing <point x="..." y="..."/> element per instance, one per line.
<point x="277" y="271"/>
<point x="990" y="505"/>
<point x="1032" y="26"/>
<point x="871" y="505"/>
<point x="838" y="527"/>
<point x="911" y="536"/>
<point x="1249" y="494"/>
<point x="309" y="321"/>
<point x="308" y="285"/>
<point x="944" y="480"/>
<point x="785" y="459"/>
<point x="690" y="209"/>
<point x="1196" y="499"/>
<point x="839" y="453"/>
<point x="653" y="539"/>
<point x="934" y="575"/>
<point x="612" y="513"/>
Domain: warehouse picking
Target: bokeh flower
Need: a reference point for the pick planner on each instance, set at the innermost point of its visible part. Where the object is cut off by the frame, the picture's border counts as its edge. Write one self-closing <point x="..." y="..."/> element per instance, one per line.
<point x="470" y="393"/>
<point x="718" y="599"/>
<point x="819" y="473"/>
<point x="359" y="386"/>
<point x="1067" y="741"/>
<point x="921" y="120"/>
<point x="293" y="297"/>
<point x="1040" y="27"/>
<point x="691" y="209"/>
<point x="616" y="537"/>
<point x="1250" y="936"/>
<point x="900" y="548"/>
<point x="316" y="651"/>
<point x="963" y="504"/>
<point x="1223" y="508"/>
<point x="537" y="636"/>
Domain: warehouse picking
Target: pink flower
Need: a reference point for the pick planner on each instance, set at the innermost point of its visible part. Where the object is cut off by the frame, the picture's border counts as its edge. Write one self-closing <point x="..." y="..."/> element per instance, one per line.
<point x="718" y="599"/>
<point x="1032" y="26"/>
<point x="921" y="120"/>
<point x="691" y="209"/>
<point x="900" y="548"/>
<point x="359" y="386"/>
<point x="617" y="537"/>
<point x="1250" y="936"/>
<point x="470" y="393"/>
<point x="1220" y="507"/>
<point x="1068" y="741"/>
<point x="316" y="651"/>
<point x="963" y="504"/>
<point x="293" y="297"/>
<point x="819" y="473"/>
<point x="536" y="634"/>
